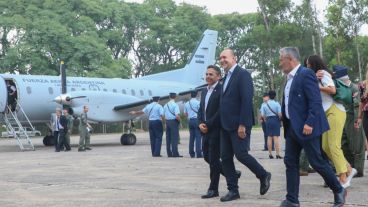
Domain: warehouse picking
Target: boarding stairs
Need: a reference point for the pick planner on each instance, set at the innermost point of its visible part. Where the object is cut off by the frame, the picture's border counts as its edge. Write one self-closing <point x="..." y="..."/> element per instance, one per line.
<point x="16" y="129"/>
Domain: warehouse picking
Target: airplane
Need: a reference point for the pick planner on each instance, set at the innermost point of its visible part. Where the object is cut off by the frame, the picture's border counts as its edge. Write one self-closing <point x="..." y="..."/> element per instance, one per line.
<point x="109" y="100"/>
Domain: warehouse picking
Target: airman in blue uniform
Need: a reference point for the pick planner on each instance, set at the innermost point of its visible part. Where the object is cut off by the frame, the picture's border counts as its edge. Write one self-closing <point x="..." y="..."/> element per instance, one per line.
<point x="171" y="113"/>
<point x="155" y="113"/>
<point x="190" y="111"/>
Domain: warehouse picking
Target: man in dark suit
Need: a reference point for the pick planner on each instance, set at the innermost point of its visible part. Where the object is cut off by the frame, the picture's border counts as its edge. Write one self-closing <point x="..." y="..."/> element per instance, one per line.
<point x="304" y="122"/>
<point x="236" y="114"/>
<point x="62" y="126"/>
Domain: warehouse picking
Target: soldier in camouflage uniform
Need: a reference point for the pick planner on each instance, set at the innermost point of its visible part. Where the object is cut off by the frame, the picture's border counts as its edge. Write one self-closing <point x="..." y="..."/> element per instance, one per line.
<point x="84" y="129"/>
<point x="352" y="142"/>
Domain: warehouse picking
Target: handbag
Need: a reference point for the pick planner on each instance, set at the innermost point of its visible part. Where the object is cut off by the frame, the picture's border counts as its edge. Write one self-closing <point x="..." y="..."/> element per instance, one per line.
<point x="343" y="93"/>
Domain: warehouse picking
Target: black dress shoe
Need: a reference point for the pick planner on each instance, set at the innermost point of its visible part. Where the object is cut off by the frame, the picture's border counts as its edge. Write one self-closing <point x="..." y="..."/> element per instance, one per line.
<point x="156" y="155"/>
<point x="231" y="195"/>
<point x="210" y="194"/>
<point x="178" y="156"/>
<point x="81" y="150"/>
<point x="339" y="198"/>
<point x="265" y="183"/>
<point x="278" y="157"/>
<point x="286" y="203"/>
<point x="270" y="156"/>
<point x="238" y="173"/>
<point x="88" y="148"/>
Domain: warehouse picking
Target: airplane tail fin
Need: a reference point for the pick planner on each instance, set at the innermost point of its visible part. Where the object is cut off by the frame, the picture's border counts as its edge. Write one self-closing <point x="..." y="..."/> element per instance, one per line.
<point x="194" y="70"/>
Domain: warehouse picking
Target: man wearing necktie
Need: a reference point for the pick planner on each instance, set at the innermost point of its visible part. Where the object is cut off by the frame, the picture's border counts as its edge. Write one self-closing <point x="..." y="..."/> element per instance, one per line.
<point x="304" y="122"/>
<point x="237" y="119"/>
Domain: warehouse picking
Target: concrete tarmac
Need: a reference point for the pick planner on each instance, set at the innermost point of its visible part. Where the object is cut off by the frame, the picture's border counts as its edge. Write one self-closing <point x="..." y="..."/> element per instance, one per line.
<point x="113" y="175"/>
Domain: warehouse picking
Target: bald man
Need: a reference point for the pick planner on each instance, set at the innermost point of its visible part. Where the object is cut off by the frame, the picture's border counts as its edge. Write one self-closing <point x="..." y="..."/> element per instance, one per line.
<point x="236" y="114"/>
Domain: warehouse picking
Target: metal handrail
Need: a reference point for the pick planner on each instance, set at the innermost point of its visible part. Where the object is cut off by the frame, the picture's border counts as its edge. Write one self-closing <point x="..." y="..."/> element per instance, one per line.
<point x="25" y="115"/>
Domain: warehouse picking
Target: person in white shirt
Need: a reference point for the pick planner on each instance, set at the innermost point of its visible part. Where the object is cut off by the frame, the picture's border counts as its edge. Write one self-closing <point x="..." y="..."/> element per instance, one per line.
<point x="336" y="116"/>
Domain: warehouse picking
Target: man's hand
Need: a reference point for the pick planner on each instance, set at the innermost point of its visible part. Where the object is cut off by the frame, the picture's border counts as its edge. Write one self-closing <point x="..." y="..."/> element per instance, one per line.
<point x="203" y="128"/>
<point x="241" y="132"/>
<point x="307" y="130"/>
<point x="357" y="123"/>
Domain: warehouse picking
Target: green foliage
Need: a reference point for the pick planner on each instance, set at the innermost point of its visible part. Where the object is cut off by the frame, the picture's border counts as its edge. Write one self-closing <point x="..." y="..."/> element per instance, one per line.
<point x="112" y="38"/>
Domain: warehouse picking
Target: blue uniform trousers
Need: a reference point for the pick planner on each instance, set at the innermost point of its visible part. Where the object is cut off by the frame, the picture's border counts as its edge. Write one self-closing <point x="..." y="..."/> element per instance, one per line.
<point x="155" y="132"/>
<point x="172" y="138"/>
<point x="312" y="148"/>
<point x="195" y="137"/>
<point x="232" y="145"/>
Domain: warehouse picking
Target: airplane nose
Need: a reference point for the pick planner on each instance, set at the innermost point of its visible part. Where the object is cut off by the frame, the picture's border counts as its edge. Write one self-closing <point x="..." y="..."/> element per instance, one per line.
<point x="58" y="99"/>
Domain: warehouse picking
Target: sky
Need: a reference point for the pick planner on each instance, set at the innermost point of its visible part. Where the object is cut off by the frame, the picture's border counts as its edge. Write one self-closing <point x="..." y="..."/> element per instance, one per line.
<point x="247" y="6"/>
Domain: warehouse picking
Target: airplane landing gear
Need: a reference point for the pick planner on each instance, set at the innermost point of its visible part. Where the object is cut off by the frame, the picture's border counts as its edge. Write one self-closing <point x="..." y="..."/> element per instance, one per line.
<point x="48" y="140"/>
<point x="128" y="138"/>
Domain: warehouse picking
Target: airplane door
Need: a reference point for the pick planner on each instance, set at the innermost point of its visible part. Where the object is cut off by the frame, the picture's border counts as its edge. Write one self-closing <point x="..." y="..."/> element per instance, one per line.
<point x="3" y="95"/>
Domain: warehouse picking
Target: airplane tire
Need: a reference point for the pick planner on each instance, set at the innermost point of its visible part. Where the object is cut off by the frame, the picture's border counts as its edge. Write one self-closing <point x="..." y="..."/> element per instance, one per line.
<point x="48" y="140"/>
<point x="128" y="139"/>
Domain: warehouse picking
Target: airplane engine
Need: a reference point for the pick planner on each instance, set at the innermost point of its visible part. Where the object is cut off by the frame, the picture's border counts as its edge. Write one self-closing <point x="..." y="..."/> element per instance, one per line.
<point x="101" y="104"/>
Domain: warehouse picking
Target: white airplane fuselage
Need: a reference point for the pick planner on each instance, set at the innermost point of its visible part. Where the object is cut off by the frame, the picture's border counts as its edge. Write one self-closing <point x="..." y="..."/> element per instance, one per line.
<point x="36" y="94"/>
<point x="109" y="100"/>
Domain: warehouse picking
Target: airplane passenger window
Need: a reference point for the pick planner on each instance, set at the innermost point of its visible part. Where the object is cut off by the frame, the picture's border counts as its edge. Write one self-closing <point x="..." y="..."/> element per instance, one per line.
<point x="124" y="91"/>
<point x="72" y="89"/>
<point x="29" y="90"/>
<point x="83" y="89"/>
<point x="105" y="89"/>
<point x="149" y="92"/>
<point x="133" y="92"/>
<point x="114" y="90"/>
<point x="141" y="92"/>
<point x="51" y="90"/>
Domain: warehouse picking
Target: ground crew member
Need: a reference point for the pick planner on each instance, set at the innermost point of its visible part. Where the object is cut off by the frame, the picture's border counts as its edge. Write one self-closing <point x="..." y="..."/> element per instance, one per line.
<point x="155" y="113"/>
<point x="84" y="131"/>
<point x="190" y="111"/>
<point x="171" y="113"/>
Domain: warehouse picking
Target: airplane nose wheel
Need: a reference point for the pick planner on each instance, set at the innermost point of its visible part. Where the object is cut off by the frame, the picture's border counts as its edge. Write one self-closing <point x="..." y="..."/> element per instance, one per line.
<point x="128" y="139"/>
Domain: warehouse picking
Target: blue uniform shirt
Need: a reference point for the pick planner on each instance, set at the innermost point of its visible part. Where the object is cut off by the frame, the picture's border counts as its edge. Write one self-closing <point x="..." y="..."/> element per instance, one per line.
<point x="154" y="111"/>
<point x="191" y="108"/>
<point x="171" y="109"/>
<point x="274" y="105"/>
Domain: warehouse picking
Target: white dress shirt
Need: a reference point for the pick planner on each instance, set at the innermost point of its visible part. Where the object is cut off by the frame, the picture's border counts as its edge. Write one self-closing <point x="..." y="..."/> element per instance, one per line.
<point x="210" y="89"/>
<point x="290" y="78"/>
<point x="228" y="76"/>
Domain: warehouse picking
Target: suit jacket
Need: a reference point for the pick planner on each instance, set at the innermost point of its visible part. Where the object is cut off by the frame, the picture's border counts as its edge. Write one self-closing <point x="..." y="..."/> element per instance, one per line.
<point x="305" y="105"/>
<point x="236" y="104"/>
<point x="212" y="113"/>
<point x="64" y="122"/>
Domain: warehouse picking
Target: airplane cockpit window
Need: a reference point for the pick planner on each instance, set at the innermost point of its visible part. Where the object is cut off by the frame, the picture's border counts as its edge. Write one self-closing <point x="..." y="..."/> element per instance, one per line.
<point x="141" y="92"/>
<point x="123" y="91"/>
<point x="72" y="89"/>
<point x="51" y="90"/>
<point x="149" y="92"/>
<point x="29" y="90"/>
<point x="133" y="92"/>
<point x="114" y="90"/>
